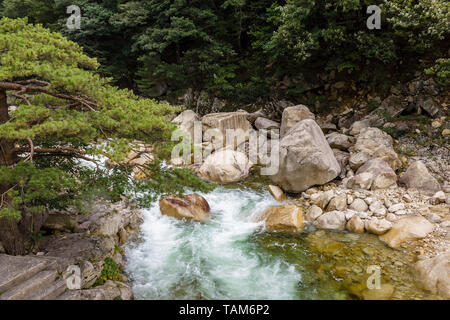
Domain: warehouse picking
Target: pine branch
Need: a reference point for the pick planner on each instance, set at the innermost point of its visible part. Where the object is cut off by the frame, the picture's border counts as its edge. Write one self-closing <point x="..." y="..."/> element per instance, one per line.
<point x="20" y="89"/>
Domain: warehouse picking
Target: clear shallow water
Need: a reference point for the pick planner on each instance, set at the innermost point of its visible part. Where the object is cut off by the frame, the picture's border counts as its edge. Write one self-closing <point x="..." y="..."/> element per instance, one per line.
<point x="230" y="258"/>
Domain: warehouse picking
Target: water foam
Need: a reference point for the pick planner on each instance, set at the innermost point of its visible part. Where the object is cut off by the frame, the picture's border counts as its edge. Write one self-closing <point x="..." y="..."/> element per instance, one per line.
<point x="217" y="260"/>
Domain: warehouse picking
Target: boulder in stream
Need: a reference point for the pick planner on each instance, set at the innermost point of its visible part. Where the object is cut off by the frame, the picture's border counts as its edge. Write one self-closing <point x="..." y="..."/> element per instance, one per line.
<point x="283" y="218"/>
<point x="191" y="207"/>
<point x="409" y="228"/>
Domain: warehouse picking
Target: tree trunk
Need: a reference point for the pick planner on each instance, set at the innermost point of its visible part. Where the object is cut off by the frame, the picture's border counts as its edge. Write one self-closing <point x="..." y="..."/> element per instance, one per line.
<point x="10" y="235"/>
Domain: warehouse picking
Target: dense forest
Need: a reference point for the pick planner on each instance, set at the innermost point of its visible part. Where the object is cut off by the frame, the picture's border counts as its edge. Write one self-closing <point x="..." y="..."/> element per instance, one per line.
<point x="249" y="49"/>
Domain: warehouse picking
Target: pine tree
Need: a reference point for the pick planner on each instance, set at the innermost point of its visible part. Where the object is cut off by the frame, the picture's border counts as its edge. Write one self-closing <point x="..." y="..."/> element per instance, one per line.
<point x="54" y="106"/>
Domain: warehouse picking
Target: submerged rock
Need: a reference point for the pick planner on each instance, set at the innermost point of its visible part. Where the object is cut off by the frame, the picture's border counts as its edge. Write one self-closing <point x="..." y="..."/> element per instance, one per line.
<point x="306" y="159"/>
<point x="383" y="293"/>
<point x="191" y="207"/>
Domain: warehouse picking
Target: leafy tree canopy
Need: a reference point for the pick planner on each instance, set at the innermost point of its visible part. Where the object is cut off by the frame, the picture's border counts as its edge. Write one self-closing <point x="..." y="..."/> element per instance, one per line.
<point x="56" y="111"/>
<point x="241" y="49"/>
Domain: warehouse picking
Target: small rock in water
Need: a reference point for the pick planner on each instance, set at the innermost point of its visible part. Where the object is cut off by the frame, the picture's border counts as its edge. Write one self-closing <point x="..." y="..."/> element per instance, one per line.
<point x="191" y="207"/>
<point x="383" y="293"/>
<point x="288" y="217"/>
<point x="277" y="193"/>
<point x="368" y="251"/>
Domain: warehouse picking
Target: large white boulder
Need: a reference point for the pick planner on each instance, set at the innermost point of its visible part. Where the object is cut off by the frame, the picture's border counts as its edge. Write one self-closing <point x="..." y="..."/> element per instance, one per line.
<point x="293" y="115"/>
<point x="306" y="159"/>
<point x="225" y="166"/>
<point x="417" y="176"/>
<point x="226" y="129"/>
<point x="186" y="120"/>
<point x="283" y="218"/>
<point x="374" y="143"/>
<point x="434" y="274"/>
<point x="382" y="174"/>
<point x="333" y="220"/>
<point x="409" y="228"/>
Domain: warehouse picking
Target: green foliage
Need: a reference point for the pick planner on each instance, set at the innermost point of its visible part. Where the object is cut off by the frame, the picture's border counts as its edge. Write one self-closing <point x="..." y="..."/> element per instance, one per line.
<point x="238" y="48"/>
<point x="103" y="123"/>
<point x="165" y="180"/>
<point x="110" y="272"/>
<point x="36" y="189"/>
<point x="183" y="42"/>
<point x="441" y="71"/>
<point x="333" y="34"/>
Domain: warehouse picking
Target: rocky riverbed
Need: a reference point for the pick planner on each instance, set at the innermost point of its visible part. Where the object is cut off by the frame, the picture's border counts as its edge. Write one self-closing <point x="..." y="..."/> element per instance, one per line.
<point x="344" y="198"/>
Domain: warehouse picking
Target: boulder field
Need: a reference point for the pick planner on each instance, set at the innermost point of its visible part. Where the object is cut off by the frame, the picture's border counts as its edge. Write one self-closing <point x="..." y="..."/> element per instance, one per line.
<point x="350" y="179"/>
